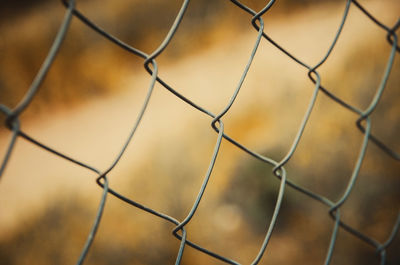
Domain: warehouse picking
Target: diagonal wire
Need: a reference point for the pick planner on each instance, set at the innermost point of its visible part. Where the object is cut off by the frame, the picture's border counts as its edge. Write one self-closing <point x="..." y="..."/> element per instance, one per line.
<point x="13" y="124"/>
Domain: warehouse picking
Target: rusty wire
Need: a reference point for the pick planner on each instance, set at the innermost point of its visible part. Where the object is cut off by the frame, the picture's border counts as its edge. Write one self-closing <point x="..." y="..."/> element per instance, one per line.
<point x="363" y="123"/>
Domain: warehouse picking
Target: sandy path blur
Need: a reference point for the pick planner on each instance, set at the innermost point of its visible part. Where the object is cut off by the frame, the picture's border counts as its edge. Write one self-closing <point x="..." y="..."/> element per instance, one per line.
<point x="95" y="131"/>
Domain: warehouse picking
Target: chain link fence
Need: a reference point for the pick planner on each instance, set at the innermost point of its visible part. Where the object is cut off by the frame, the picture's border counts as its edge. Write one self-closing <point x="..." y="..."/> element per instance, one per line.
<point x="333" y="207"/>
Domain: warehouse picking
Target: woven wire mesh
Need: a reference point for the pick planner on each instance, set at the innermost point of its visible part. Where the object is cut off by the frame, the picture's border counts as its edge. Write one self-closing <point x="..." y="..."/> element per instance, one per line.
<point x="333" y="208"/>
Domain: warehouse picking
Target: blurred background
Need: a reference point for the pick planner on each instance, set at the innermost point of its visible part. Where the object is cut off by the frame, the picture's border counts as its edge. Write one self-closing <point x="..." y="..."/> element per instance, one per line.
<point x="94" y="91"/>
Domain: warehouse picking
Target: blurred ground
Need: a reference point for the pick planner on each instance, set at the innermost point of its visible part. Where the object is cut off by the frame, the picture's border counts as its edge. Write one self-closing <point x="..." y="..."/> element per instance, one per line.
<point x="94" y="92"/>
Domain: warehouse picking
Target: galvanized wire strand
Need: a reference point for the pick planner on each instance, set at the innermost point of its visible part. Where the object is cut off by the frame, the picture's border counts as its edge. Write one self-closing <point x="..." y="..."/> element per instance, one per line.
<point x="118" y="42"/>
<point x="137" y="121"/>
<point x="307" y="116"/>
<point x="154" y="74"/>
<point x="203" y="186"/>
<point x="242" y="78"/>
<point x="28" y="97"/>
<point x="205" y="181"/>
<point x="171" y="32"/>
<point x="367" y="129"/>
<point x="372" y="106"/>
<point x="382" y="85"/>
<point x="327" y="92"/>
<point x="105" y="34"/>
<point x="349" y="188"/>
<point x="356" y="169"/>
<point x="220" y="135"/>
<point x="311" y="70"/>
<point x="370" y="16"/>
<point x="102" y="175"/>
<point x="392" y="33"/>
<point x="219" y="139"/>
<point x="203" y="111"/>
<point x="14" y="126"/>
<point x="93" y="231"/>
<point x="23" y="104"/>
<point x="95" y="226"/>
<point x="149" y="60"/>
<point x="395" y="155"/>
<point x="281" y="189"/>
<point x="333" y="44"/>
<point x="332" y="242"/>
<point x="376" y="99"/>
<point x="57" y="153"/>
<point x="143" y="55"/>
<point x="382" y="248"/>
<point x="105" y="185"/>
<point x="171" y="220"/>
<point x="32" y="91"/>
<point x="272" y="223"/>
<point x="123" y="198"/>
<point x="150" y="65"/>
<point x="330" y="49"/>
<point x="302" y="127"/>
<point x="393" y="233"/>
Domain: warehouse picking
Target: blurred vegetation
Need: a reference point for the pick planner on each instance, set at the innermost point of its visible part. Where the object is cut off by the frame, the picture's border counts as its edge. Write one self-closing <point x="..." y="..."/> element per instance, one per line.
<point x="87" y="64"/>
<point x="128" y="236"/>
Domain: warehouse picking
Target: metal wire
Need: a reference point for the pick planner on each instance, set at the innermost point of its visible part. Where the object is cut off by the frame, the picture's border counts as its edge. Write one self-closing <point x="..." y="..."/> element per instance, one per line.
<point x="363" y="123"/>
